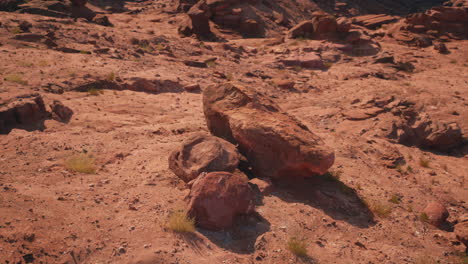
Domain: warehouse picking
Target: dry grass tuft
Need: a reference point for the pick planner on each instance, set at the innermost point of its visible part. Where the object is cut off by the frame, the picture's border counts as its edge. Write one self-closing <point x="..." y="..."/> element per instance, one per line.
<point x="379" y="209"/>
<point x="94" y="91"/>
<point x="425" y="163"/>
<point x="16" y="78"/>
<point x="180" y="222"/>
<point x="297" y="246"/>
<point x="83" y="163"/>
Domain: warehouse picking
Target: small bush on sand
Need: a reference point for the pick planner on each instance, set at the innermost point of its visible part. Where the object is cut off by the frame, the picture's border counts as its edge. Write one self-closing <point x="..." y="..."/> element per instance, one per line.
<point x="379" y="209"/>
<point x="425" y="163"/>
<point x="424" y="218"/>
<point x="396" y="199"/>
<point x="16" y="78"/>
<point x="94" y="91"/>
<point x="83" y="163"/>
<point x="297" y="246"/>
<point x="180" y="222"/>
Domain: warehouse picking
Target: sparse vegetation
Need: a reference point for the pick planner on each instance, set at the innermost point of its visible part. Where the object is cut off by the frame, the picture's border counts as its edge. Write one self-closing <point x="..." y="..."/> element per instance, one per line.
<point x="16" y="78"/>
<point x="95" y="91"/>
<point x="16" y="30"/>
<point x="43" y="63"/>
<point x="211" y="63"/>
<point x="26" y="64"/>
<point x="83" y="163"/>
<point x="396" y="199"/>
<point x="180" y="222"/>
<point x="146" y="47"/>
<point x="160" y="47"/>
<point x="409" y="169"/>
<point x="425" y="163"/>
<point x="424" y="260"/>
<point x="110" y="77"/>
<point x="328" y="65"/>
<point x="379" y="209"/>
<point x="297" y="68"/>
<point x="453" y="61"/>
<point x="423" y="217"/>
<point x="297" y="246"/>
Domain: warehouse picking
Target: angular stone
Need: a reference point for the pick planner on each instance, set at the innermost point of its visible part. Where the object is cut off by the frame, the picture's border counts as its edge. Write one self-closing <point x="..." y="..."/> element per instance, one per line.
<point x="217" y="198"/>
<point x="203" y="153"/>
<point x="275" y="144"/>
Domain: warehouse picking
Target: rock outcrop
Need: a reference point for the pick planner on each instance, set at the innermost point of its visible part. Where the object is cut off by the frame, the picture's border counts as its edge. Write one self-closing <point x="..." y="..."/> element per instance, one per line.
<point x="275" y="144"/>
<point x="29" y="112"/>
<point x="217" y="198"/>
<point x="448" y="21"/>
<point x="203" y="153"/>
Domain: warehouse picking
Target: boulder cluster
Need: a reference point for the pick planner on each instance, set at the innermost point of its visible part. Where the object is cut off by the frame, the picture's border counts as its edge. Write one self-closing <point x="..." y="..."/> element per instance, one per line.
<point x="226" y="13"/>
<point x="438" y="22"/>
<point x="246" y="127"/>
<point x="29" y="112"/>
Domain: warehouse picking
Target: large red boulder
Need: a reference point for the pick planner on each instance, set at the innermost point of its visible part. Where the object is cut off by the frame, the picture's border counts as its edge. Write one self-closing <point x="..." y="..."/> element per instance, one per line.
<point x="203" y="153"/>
<point x="305" y="29"/>
<point x="436" y="213"/>
<point x="197" y="21"/>
<point x="217" y="198"/>
<point x="275" y="144"/>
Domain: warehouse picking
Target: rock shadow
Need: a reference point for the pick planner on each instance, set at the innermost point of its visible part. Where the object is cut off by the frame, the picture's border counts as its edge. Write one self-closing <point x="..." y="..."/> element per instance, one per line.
<point x="242" y="236"/>
<point x="328" y="194"/>
<point x="136" y="84"/>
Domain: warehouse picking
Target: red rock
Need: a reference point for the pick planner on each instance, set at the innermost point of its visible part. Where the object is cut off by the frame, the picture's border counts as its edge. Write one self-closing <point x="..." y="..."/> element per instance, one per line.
<point x="362" y="114"/>
<point x="217" y="198"/>
<point x="263" y="185"/>
<point x="276" y="144"/>
<point x="343" y="25"/>
<point x="324" y="26"/>
<point x="251" y="28"/>
<point x="79" y="2"/>
<point x="305" y="29"/>
<point x="197" y="21"/>
<point x="441" y="48"/>
<point x="26" y="112"/>
<point x="60" y="112"/>
<point x="310" y="60"/>
<point x="436" y="213"/>
<point x="374" y="21"/>
<point x="461" y="229"/>
<point x="203" y="153"/>
<point x="284" y="83"/>
<point x="192" y="87"/>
